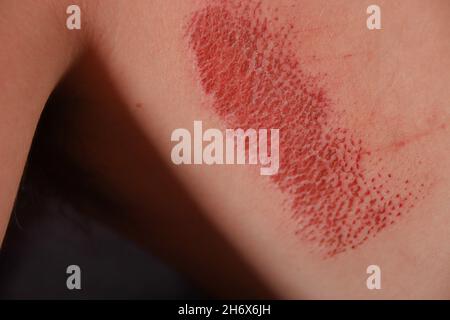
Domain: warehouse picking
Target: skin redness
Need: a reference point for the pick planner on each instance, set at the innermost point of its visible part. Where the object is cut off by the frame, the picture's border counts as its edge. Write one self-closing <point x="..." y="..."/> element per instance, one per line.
<point x="247" y="63"/>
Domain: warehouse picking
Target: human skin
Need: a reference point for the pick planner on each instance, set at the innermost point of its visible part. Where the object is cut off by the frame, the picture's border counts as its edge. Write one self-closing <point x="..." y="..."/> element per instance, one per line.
<point x="388" y="87"/>
<point x="31" y="65"/>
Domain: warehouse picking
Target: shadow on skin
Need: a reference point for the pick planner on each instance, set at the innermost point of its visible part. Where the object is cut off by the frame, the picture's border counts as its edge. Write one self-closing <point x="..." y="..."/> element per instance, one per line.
<point x="94" y="148"/>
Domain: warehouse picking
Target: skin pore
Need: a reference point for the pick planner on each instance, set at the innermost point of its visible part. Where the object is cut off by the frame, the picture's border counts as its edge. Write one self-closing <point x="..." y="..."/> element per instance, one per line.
<point x="364" y="123"/>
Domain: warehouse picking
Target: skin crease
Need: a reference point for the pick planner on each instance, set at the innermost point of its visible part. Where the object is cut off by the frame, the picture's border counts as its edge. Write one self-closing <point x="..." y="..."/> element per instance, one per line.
<point x="373" y="89"/>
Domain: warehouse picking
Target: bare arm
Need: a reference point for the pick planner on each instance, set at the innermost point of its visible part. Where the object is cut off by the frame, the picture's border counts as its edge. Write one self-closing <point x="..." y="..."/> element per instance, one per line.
<point x="35" y="51"/>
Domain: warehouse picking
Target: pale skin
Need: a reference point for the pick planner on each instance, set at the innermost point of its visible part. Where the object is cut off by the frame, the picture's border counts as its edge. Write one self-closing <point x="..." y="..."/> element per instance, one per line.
<point x="135" y="83"/>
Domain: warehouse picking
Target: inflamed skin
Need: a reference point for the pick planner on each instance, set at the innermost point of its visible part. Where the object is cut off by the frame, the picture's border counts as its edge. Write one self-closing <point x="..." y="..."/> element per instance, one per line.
<point x="255" y="79"/>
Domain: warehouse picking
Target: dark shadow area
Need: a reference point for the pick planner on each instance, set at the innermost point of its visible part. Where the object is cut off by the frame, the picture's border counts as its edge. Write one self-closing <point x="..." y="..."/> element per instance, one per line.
<point x="96" y="193"/>
<point x="55" y="224"/>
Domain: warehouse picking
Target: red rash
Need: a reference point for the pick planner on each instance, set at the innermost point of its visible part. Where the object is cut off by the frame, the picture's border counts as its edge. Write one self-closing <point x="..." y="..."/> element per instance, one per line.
<point x="248" y="65"/>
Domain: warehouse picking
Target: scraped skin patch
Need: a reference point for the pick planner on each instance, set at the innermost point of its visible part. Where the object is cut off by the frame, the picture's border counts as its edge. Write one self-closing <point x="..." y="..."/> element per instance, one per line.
<point x="339" y="192"/>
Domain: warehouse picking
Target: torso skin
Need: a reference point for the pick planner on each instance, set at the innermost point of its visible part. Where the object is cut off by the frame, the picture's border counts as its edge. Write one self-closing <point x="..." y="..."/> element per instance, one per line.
<point x="389" y="88"/>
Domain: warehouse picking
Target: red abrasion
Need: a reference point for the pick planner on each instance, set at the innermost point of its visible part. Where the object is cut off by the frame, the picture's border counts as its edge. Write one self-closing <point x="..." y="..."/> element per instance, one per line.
<point x="249" y="68"/>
